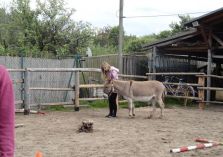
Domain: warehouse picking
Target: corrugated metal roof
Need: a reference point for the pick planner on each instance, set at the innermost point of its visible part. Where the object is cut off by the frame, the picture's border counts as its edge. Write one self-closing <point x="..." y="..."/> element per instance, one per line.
<point x="172" y="39"/>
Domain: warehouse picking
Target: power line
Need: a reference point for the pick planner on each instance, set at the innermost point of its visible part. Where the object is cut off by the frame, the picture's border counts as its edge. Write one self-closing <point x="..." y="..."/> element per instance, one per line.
<point x="147" y="16"/>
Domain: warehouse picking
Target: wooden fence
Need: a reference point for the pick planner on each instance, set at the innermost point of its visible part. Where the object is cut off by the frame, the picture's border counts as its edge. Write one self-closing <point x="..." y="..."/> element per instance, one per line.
<point x="211" y="88"/>
<point x="200" y="85"/>
<point x="132" y="64"/>
<point x="27" y="87"/>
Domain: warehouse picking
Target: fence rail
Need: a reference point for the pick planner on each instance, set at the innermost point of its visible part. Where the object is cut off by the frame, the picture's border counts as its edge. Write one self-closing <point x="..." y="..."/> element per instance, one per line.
<point x="51" y="89"/>
<point x="27" y="88"/>
<point x="175" y="73"/>
<point x="132" y="76"/>
<point x="132" y="65"/>
<point x="77" y="86"/>
<point x="211" y="88"/>
<point x="63" y="70"/>
<point x="201" y="84"/>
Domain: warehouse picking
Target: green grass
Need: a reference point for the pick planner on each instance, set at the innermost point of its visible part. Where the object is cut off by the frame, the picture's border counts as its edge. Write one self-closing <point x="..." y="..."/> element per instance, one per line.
<point x="169" y="103"/>
<point x="174" y="102"/>
<point x="104" y="104"/>
<point x="123" y="104"/>
<point x="137" y="104"/>
<point x="57" y="108"/>
<point x="98" y="104"/>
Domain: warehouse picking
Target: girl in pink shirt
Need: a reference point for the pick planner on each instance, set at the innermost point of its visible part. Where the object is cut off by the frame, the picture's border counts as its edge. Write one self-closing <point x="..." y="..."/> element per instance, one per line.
<point x="110" y="73"/>
<point x="7" y="114"/>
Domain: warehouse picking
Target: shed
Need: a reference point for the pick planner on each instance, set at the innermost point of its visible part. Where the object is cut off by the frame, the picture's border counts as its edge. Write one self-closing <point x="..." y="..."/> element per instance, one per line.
<point x="202" y="41"/>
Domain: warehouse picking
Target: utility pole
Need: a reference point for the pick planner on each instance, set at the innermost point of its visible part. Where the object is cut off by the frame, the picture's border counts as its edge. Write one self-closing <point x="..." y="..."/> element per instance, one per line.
<point x="120" y="39"/>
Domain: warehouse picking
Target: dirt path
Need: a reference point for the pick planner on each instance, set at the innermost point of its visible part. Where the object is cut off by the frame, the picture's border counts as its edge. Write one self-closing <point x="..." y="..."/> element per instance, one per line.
<point x="55" y="133"/>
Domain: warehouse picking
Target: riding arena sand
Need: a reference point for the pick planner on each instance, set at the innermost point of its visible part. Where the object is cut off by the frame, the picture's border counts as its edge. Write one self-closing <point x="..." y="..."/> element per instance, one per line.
<point x="55" y="133"/>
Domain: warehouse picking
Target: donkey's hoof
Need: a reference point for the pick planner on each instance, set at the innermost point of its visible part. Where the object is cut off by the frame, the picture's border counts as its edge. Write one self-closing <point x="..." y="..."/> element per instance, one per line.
<point x="130" y="117"/>
<point x="149" y="117"/>
<point x="133" y="115"/>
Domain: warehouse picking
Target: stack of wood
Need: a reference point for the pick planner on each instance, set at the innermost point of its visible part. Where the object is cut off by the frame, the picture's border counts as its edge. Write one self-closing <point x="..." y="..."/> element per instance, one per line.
<point x="87" y="126"/>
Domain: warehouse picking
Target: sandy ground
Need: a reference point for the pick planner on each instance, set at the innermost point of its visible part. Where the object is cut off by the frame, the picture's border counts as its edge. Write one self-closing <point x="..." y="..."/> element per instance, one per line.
<point x="55" y="133"/>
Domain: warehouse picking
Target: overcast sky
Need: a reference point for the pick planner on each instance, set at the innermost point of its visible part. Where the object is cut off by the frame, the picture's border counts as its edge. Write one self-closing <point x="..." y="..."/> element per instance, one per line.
<point x="102" y="13"/>
<point x="105" y="12"/>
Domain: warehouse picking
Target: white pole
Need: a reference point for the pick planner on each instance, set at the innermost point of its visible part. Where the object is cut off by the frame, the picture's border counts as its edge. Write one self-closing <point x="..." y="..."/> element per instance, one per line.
<point x="120" y="42"/>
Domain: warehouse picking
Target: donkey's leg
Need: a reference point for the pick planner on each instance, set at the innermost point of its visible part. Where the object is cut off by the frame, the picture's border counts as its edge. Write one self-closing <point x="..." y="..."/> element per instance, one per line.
<point x="133" y="109"/>
<point x="130" y="107"/>
<point x="154" y="109"/>
<point x="161" y="105"/>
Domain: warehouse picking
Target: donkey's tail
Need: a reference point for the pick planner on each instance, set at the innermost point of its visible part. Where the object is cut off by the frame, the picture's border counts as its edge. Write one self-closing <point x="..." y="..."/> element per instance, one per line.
<point x="130" y="88"/>
<point x="164" y="94"/>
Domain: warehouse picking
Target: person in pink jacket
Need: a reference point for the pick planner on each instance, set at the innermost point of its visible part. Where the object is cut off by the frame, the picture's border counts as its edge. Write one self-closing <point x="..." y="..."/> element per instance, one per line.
<point x="7" y="114"/>
<point x="110" y="73"/>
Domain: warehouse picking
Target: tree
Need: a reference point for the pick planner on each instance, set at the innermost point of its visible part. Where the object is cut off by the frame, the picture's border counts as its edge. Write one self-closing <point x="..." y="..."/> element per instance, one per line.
<point x="50" y="30"/>
<point x="134" y="44"/>
<point x="107" y="36"/>
<point x="58" y="33"/>
<point x="25" y="22"/>
<point x="105" y="40"/>
<point x="4" y="27"/>
<point x="175" y="27"/>
<point x="101" y="36"/>
<point x="113" y="36"/>
<point x="164" y="34"/>
<point x="178" y="27"/>
<point x="53" y="25"/>
<point x="80" y="37"/>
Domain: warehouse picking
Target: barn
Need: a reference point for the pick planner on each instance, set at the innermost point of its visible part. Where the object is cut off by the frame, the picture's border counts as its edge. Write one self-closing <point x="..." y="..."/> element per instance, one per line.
<point x="198" y="49"/>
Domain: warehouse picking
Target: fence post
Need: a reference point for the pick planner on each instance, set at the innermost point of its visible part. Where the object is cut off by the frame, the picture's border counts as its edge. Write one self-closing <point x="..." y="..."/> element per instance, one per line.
<point x="71" y="75"/>
<point x="77" y="91"/>
<point x="201" y="82"/>
<point x="26" y="100"/>
<point x="22" y="76"/>
<point x="154" y="54"/>
<point x="149" y="77"/>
